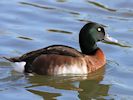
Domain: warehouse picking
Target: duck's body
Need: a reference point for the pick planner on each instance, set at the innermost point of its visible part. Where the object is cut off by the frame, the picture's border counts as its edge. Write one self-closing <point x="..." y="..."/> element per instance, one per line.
<point x="63" y="64"/>
<point x="59" y="59"/>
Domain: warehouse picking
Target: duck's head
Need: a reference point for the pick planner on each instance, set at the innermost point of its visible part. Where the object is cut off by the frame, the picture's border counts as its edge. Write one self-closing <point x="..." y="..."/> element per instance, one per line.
<point x="90" y="34"/>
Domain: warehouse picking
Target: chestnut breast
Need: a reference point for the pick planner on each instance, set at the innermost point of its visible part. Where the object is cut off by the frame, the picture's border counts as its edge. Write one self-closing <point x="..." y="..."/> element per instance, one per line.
<point x="95" y="61"/>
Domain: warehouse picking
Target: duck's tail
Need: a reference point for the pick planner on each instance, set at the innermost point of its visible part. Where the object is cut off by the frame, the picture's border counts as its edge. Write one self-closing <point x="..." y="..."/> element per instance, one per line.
<point x="14" y="59"/>
<point x="17" y="64"/>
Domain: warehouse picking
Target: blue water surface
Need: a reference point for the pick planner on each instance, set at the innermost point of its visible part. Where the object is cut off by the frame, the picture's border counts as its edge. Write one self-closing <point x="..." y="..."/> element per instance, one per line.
<point x="27" y="25"/>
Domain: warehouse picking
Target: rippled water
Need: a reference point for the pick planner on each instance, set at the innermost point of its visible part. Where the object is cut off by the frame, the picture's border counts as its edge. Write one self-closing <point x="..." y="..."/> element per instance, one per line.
<point x="27" y="25"/>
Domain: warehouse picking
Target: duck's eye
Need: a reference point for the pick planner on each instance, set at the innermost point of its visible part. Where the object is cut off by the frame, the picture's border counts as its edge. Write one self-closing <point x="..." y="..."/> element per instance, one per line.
<point x="99" y="29"/>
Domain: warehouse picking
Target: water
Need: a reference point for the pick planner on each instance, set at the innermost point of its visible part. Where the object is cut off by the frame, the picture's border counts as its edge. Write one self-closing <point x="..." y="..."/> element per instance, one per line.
<point x="27" y="25"/>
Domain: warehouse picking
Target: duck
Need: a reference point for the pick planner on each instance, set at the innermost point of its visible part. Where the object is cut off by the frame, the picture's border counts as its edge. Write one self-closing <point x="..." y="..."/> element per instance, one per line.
<point x="65" y="60"/>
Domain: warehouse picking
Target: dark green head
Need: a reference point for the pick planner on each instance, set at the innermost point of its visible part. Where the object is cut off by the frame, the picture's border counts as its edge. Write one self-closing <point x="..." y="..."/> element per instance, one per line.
<point x="89" y="35"/>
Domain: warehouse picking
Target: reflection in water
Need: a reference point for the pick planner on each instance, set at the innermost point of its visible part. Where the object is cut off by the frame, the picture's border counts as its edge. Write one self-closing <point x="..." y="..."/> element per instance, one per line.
<point x="37" y="5"/>
<point x="25" y="38"/>
<point x="61" y="0"/>
<point x="59" y="31"/>
<point x="44" y="94"/>
<point x="83" y="20"/>
<point x="80" y="87"/>
<point x="101" y="6"/>
<point x="50" y="8"/>
<point x="92" y="89"/>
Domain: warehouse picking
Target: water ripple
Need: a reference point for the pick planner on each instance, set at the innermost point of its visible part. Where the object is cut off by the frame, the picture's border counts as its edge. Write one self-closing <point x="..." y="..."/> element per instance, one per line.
<point x="101" y="6"/>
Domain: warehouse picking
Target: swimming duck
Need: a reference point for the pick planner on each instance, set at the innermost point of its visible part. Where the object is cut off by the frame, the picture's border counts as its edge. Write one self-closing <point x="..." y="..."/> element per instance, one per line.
<point x="60" y="59"/>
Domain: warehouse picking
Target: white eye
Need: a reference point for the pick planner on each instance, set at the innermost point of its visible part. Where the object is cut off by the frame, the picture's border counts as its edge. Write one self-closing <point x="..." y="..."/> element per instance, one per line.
<point x="99" y="29"/>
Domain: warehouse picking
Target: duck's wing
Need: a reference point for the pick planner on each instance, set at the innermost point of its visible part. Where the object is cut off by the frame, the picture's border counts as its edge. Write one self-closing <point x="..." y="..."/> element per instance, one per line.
<point x="54" y="49"/>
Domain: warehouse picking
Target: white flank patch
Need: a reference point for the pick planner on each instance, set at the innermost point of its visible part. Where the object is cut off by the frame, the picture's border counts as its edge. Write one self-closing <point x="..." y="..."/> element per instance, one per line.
<point x="19" y="66"/>
<point x="73" y="69"/>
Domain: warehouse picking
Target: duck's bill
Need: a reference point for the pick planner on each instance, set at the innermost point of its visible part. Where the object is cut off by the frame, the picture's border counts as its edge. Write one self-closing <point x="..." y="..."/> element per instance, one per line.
<point x="107" y="38"/>
<point x="110" y="40"/>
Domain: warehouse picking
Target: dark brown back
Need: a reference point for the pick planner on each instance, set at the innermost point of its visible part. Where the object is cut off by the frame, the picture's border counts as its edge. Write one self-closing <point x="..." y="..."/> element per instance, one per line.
<point x="54" y="49"/>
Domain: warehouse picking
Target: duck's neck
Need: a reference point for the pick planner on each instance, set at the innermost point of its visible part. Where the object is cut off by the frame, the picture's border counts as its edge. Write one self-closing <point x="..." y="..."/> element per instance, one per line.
<point x="88" y="49"/>
<point x="87" y="44"/>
